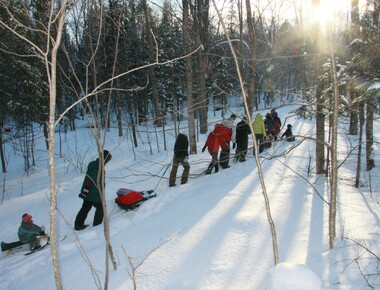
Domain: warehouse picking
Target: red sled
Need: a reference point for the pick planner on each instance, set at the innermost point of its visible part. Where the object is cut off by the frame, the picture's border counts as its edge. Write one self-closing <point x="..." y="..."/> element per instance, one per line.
<point x="129" y="199"/>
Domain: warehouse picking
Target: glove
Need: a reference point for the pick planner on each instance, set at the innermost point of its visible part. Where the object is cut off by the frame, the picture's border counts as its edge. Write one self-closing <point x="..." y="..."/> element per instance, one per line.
<point x="85" y="190"/>
<point x="42" y="232"/>
<point x="203" y="149"/>
<point x="234" y="146"/>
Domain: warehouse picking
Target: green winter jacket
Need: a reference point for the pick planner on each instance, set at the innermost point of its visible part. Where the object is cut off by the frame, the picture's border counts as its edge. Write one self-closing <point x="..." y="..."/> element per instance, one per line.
<point x="90" y="182"/>
<point x="26" y="231"/>
<point x="258" y="125"/>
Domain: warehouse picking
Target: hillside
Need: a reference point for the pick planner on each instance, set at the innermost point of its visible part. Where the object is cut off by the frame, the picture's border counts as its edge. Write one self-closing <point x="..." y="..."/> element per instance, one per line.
<point x="211" y="233"/>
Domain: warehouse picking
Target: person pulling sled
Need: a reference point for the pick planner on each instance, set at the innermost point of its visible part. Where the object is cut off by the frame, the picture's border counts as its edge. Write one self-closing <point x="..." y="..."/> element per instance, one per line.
<point x="181" y="156"/>
<point x="91" y="192"/>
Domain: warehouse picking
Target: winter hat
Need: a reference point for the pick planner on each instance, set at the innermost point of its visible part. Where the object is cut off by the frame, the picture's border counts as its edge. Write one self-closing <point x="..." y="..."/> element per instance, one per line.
<point x="27" y="218"/>
<point x="107" y="156"/>
<point x="290" y="126"/>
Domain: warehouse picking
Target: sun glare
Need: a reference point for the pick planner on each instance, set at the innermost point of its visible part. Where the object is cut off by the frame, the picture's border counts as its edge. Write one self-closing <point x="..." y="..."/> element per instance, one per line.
<point x="329" y="11"/>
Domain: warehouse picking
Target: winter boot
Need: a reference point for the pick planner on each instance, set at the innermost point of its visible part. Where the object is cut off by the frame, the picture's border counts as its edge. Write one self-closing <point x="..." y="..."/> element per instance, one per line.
<point x="80" y="228"/>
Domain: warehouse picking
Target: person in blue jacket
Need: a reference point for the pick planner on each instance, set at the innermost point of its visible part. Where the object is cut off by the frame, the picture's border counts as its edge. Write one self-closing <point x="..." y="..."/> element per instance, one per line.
<point x="90" y="193"/>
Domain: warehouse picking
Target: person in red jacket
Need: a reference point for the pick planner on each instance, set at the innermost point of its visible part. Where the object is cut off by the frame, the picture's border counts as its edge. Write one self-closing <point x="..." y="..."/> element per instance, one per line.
<point x="229" y="131"/>
<point x="213" y="144"/>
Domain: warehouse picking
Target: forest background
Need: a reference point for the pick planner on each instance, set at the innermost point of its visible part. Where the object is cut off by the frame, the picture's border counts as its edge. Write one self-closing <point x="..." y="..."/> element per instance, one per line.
<point x="134" y="61"/>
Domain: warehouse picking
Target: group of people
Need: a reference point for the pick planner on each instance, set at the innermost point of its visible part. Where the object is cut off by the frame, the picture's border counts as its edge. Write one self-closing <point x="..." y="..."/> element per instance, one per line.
<point x="219" y="141"/>
<point x="265" y="132"/>
<point x="221" y="138"/>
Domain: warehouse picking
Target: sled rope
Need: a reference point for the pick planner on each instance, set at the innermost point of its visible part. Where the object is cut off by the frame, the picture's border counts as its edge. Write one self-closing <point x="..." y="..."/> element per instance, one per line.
<point x="166" y="169"/>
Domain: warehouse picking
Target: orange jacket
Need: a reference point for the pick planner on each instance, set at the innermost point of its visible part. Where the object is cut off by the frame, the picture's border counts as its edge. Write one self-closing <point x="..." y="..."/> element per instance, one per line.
<point x="224" y="135"/>
<point x="212" y="143"/>
<point x="219" y="137"/>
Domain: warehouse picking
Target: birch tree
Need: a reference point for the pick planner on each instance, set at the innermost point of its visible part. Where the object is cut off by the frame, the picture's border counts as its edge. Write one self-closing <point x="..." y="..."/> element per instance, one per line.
<point x="46" y="52"/>
<point x="189" y="75"/>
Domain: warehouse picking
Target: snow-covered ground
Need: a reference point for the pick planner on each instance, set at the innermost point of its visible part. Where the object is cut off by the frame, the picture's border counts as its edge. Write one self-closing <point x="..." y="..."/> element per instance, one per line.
<point x="211" y="233"/>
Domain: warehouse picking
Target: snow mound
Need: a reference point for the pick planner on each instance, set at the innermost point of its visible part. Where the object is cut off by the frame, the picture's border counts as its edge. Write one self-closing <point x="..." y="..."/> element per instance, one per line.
<point x="288" y="276"/>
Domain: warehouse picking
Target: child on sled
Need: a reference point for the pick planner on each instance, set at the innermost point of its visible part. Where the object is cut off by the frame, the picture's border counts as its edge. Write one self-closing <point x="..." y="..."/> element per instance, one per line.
<point x="28" y="231"/>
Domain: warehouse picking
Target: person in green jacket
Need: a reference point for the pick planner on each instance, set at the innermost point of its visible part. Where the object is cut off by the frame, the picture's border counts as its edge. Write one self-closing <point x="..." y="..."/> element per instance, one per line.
<point x="28" y="231"/>
<point x="259" y="130"/>
<point x="90" y="193"/>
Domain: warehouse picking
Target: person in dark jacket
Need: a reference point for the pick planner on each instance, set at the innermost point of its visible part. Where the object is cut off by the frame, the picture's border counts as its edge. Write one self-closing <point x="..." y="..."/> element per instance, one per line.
<point x="181" y="156"/>
<point x="269" y="127"/>
<point x="90" y="193"/>
<point x="288" y="134"/>
<point x="269" y="123"/>
<point x="242" y="132"/>
<point x="28" y="231"/>
<point x="277" y="123"/>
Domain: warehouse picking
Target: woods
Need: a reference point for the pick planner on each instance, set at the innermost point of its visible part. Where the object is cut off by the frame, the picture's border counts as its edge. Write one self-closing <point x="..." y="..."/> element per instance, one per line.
<point x="111" y="51"/>
<point x="133" y="62"/>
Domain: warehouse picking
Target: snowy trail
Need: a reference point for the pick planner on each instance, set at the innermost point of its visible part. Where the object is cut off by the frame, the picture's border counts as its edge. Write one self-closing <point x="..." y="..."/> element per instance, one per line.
<point x="209" y="234"/>
<point x="232" y="218"/>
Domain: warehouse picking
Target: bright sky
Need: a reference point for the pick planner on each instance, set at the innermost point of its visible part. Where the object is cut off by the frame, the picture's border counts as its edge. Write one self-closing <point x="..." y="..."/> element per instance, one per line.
<point x="327" y="11"/>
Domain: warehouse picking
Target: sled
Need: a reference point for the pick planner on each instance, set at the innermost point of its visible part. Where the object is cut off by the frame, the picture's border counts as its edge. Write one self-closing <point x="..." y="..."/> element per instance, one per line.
<point x="18" y="245"/>
<point x="129" y="199"/>
<point x="40" y="248"/>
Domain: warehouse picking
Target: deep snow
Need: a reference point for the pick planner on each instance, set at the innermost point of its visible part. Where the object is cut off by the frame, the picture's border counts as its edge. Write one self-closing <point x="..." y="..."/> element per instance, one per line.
<point x="211" y="233"/>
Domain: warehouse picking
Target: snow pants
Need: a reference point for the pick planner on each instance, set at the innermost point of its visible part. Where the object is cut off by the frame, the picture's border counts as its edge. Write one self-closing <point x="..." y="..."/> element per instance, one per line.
<point x="185" y="174"/>
<point x="214" y="163"/>
<point x="83" y="212"/>
<point x="241" y="151"/>
<point x="224" y="157"/>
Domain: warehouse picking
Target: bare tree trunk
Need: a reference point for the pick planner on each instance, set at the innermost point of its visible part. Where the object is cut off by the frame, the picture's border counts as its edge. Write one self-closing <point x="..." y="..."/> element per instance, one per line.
<point x="355" y="26"/>
<point x="51" y="68"/>
<point x="252" y="99"/>
<point x="359" y="160"/>
<point x="132" y="119"/>
<point x="152" y="72"/>
<point x="258" y="164"/>
<point x="371" y="103"/>
<point x="334" y="153"/>
<point x="202" y="39"/>
<point x="119" y="111"/>
<point x="320" y="115"/>
<point x="3" y="165"/>
<point x="369" y="134"/>
<point x="189" y="77"/>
